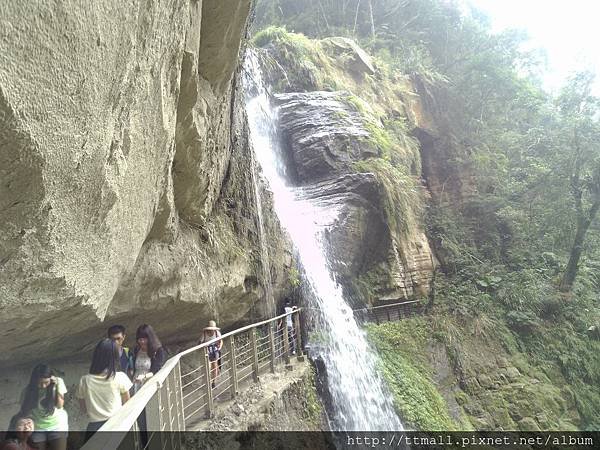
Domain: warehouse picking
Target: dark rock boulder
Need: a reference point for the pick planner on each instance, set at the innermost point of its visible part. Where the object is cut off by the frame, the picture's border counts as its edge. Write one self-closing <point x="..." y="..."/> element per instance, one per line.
<point x="357" y="61"/>
<point x="323" y="134"/>
<point x="360" y="236"/>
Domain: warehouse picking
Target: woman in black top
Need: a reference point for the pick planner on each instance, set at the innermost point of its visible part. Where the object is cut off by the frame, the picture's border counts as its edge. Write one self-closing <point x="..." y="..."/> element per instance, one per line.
<point x="148" y="356"/>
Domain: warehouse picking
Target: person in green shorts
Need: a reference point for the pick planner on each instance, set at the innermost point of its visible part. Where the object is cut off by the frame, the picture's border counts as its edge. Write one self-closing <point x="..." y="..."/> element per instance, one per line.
<point x="43" y="401"/>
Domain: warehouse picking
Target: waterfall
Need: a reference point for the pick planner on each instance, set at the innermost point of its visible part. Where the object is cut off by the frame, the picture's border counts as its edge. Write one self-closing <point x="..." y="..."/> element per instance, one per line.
<point x="360" y="400"/>
<point x="267" y="281"/>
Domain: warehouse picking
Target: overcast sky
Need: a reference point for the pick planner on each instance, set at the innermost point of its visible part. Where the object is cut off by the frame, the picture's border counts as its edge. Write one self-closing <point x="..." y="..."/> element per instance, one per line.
<point x="569" y="31"/>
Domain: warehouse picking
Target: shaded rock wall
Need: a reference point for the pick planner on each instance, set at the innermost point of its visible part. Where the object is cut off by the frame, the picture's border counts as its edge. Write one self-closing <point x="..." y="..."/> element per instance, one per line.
<point x="125" y="192"/>
<point x="446" y="181"/>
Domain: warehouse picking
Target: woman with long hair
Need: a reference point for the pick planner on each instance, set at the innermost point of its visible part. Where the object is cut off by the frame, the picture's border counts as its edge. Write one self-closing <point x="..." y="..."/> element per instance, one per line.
<point x="102" y="392"/>
<point x="19" y="431"/>
<point x="43" y="401"/>
<point x="148" y="358"/>
<point x="148" y="355"/>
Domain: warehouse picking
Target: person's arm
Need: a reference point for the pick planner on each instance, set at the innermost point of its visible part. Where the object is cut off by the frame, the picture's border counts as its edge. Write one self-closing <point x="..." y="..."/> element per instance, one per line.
<point x="130" y="365"/>
<point x="61" y="390"/>
<point x="125" y="386"/>
<point x="220" y="341"/>
<point x="60" y="401"/>
<point x="158" y="360"/>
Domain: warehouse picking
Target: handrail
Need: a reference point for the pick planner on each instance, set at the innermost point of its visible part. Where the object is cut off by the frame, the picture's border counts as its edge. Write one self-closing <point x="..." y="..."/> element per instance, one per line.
<point x="126" y="417"/>
<point x="236" y="331"/>
<point x="387" y="306"/>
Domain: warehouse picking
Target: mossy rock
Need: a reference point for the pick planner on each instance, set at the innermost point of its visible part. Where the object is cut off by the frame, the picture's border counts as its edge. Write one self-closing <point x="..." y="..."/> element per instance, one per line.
<point x="528" y="424"/>
<point x="461" y="398"/>
<point x="485" y="381"/>
<point x="401" y="347"/>
<point x="502" y="419"/>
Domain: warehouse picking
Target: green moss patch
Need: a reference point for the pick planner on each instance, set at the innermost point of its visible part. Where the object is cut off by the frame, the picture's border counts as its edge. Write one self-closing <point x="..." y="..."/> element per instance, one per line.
<point x="400" y="350"/>
<point x="402" y="196"/>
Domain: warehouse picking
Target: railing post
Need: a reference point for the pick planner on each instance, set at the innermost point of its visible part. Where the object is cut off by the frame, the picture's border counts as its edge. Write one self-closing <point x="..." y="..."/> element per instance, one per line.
<point x="153" y="411"/>
<point x="209" y="393"/>
<point x="254" y="354"/>
<point x="234" y="373"/>
<point x="169" y="416"/>
<point x="298" y="334"/>
<point x="154" y="419"/>
<point x="286" y="341"/>
<point x="272" y="347"/>
<point x="179" y="398"/>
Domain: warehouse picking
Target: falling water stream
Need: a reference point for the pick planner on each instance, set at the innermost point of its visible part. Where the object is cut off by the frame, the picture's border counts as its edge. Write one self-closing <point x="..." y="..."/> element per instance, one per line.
<point x="267" y="282"/>
<point x="360" y="400"/>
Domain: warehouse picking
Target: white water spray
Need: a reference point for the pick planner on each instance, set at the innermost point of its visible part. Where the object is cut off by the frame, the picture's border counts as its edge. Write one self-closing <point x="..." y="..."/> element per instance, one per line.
<point x="267" y="282"/>
<point x="360" y="401"/>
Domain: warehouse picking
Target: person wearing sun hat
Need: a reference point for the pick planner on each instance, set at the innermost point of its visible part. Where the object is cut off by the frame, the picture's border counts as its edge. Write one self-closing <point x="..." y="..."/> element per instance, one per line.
<point x="209" y="333"/>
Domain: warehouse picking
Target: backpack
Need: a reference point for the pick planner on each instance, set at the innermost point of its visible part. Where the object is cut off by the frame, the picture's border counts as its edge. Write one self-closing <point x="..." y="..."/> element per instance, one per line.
<point x="129" y="356"/>
<point x="213" y="351"/>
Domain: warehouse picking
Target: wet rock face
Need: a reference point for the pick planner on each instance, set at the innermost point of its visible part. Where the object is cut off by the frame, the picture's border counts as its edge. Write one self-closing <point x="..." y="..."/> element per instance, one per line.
<point x="324" y="135"/>
<point x="125" y="193"/>
<point x="360" y="236"/>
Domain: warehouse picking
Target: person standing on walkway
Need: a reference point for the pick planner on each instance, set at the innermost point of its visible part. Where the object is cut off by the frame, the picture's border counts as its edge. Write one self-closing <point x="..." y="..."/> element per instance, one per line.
<point x="102" y="392"/>
<point x="148" y="356"/>
<point x="214" y="350"/>
<point x="117" y="334"/>
<point x="20" y="430"/>
<point x="43" y="400"/>
<point x="288" y="309"/>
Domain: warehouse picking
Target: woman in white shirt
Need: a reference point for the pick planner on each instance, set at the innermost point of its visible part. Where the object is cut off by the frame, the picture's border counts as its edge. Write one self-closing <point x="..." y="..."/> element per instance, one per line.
<point x="102" y="392"/>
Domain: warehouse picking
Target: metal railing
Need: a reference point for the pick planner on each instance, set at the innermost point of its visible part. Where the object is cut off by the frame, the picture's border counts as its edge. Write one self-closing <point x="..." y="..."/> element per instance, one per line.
<point x="185" y="390"/>
<point x="389" y="313"/>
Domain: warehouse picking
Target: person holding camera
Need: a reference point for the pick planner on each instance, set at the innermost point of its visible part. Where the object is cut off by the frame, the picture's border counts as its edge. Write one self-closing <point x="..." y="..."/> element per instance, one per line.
<point x="43" y="401"/>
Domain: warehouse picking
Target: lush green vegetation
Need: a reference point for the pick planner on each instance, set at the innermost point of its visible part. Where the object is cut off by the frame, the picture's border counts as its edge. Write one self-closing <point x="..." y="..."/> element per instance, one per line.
<point x="313" y="409"/>
<point x="514" y="225"/>
<point x="402" y="347"/>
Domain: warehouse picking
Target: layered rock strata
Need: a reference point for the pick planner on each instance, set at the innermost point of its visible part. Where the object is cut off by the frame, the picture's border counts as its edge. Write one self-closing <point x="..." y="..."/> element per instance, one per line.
<point x="325" y="136"/>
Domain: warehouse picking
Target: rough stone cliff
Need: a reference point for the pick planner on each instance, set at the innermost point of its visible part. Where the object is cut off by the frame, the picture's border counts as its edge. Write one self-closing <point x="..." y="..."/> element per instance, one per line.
<point x="348" y="136"/>
<point x="125" y="193"/>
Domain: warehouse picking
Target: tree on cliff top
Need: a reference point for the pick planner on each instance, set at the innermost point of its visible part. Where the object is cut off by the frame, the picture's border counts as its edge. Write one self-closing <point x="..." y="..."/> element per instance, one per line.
<point x="579" y="158"/>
